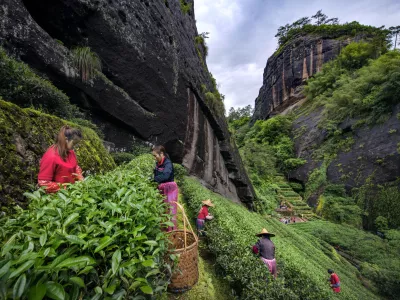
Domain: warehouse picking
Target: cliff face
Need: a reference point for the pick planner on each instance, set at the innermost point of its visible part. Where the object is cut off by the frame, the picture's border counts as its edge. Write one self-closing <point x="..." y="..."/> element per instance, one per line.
<point x="374" y="152"/>
<point x="149" y="88"/>
<point x="287" y="70"/>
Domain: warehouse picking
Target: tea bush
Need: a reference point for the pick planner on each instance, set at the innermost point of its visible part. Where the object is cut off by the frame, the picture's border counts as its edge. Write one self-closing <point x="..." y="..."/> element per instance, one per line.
<point x="99" y="238"/>
<point x="302" y="259"/>
<point x="122" y="157"/>
<point x="379" y="258"/>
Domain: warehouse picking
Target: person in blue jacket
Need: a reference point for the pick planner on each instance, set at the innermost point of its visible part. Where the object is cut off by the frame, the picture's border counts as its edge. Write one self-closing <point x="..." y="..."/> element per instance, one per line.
<point x="164" y="176"/>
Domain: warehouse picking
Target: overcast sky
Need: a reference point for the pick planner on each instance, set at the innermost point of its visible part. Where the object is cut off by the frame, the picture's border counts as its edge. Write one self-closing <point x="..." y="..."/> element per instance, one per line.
<point x="242" y="34"/>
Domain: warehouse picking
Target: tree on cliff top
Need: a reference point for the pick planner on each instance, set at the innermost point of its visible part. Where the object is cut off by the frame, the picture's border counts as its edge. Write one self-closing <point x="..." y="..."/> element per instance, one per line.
<point x="395" y="30"/>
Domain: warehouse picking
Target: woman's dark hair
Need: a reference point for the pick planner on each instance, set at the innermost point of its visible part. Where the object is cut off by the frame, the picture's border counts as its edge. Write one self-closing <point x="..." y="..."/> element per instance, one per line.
<point x="66" y="133"/>
<point x="160" y="149"/>
<point x="330" y="271"/>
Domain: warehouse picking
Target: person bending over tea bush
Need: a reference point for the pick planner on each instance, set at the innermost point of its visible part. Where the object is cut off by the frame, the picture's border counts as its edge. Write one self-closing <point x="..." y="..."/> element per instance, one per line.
<point x="266" y="249"/>
<point x="203" y="216"/>
<point x="164" y="176"/>
<point x="334" y="281"/>
<point x="59" y="165"/>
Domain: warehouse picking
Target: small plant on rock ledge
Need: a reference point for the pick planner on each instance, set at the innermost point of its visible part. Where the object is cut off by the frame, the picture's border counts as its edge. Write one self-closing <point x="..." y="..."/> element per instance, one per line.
<point x="87" y="62"/>
<point x="185" y="7"/>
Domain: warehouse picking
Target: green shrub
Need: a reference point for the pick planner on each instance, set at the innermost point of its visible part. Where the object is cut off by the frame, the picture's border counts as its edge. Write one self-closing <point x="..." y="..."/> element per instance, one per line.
<point x="200" y="40"/>
<point x="20" y="85"/>
<point x="316" y="181"/>
<point x="87" y="62"/>
<point x="185" y="6"/>
<point x="379" y="200"/>
<point x="88" y="124"/>
<point x="368" y="92"/>
<point x="298" y="187"/>
<point x="381" y="223"/>
<point x="97" y="238"/>
<point x="215" y="103"/>
<point x="122" y="157"/>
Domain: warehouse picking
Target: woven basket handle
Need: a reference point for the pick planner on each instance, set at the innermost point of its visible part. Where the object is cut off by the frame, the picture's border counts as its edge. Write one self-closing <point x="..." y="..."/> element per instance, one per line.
<point x="186" y="220"/>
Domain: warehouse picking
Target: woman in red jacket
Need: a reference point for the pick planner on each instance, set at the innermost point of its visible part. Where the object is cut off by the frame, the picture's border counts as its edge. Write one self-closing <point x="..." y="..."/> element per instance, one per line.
<point x="203" y="216"/>
<point x="59" y="164"/>
<point x="334" y="281"/>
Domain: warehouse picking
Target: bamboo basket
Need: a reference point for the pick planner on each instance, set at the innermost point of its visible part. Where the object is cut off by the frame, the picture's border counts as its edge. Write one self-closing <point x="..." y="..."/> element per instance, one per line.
<point x="185" y="243"/>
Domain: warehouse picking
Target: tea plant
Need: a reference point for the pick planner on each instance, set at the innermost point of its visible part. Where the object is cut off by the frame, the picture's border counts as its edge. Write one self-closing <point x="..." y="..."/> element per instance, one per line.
<point x="99" y="238"/>
<point x="302" y="259"/>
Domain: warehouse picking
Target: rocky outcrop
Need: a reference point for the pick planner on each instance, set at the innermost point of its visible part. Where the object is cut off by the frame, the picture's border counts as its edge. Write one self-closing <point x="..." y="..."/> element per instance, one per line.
<point x="372" y="153"/>
<point x="288" y="68"/>
<point x="151" y="79"/>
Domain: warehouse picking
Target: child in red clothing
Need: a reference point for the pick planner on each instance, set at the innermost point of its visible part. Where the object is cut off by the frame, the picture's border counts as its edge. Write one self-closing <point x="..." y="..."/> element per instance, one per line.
<point x="59" y="164"/>
<point x="335" y="281"/>
<point x="203" y="216"/>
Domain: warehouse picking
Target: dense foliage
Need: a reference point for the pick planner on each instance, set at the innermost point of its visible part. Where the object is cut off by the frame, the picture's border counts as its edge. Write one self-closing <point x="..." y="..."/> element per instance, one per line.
<point x="377" y="258"/>
<point x="25" y="134"/>
<point x="334" y="205"/>
<point x="330" y="28"/>
<point x="267" y="146"/>
<point x="20" y="85"/>
<point x="214" y="99"/>
<point x="379" y="201"/>
<point x="302" y="259"/>
<point x="98" y="238"/>
<point x="346" y="91"/>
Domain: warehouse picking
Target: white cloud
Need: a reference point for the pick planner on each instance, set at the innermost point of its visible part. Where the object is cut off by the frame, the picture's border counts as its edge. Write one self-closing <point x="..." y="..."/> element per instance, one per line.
<point x="242" y="35"/>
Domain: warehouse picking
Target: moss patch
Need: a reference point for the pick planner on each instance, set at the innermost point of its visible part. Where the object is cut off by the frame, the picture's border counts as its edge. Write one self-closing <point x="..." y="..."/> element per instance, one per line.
<point x="25" y="134"/>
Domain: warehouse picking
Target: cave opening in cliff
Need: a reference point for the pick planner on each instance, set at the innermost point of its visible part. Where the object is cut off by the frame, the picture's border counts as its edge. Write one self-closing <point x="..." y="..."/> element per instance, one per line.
<point x="64" y="23"/>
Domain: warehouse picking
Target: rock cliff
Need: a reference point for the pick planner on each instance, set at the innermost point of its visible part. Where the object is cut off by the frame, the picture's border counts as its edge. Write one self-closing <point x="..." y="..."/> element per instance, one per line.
<point x="151" y="80"/>
<point x="373" y="151"/>
<point x="288" y="68"/>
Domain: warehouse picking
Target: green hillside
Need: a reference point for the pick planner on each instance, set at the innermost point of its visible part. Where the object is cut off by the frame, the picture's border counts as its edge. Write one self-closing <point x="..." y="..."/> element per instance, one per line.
<point x="302" y="259"/>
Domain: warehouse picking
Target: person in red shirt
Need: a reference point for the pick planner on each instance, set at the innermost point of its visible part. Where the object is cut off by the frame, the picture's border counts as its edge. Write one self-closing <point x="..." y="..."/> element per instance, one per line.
<point x="334" y="281"/>
<point x="59" y="164"/>
<point x="203" y="216"/>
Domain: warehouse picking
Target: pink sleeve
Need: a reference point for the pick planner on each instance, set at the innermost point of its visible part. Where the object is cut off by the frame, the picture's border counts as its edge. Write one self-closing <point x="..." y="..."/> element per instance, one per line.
<point x="51" y="186"/>
<point x="78" y="173"/>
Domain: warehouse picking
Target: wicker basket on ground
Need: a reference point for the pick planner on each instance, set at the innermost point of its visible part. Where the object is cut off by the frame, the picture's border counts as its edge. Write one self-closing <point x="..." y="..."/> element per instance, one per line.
<point x="185" y="244"/>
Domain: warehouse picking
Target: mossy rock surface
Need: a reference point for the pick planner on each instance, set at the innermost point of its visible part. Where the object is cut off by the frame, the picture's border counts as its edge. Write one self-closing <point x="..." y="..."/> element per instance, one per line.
<point x="25" y="134"/>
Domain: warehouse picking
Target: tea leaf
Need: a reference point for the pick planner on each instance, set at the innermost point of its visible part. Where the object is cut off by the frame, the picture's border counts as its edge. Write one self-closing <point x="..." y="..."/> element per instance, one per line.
<point x="116" y="260"/>
<point x="70" y="262"/>
<point x="55" y="291"/>
<point x="19" y="287"/>
<point x="146" y="289"/>
<point x="37" y="292"/>
<point x="70" y="219"/>
<point x="22" y="268"/>
<point x="78" y="281"/>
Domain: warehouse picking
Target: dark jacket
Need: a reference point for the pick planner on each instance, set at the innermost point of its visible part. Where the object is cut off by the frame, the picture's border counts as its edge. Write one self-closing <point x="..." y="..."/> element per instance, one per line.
<point x="164" y="172"/>
<point x="266" y="248"/>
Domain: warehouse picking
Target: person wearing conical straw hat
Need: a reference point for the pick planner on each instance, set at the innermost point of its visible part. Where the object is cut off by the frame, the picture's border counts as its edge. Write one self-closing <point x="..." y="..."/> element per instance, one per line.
<point x="266" y="249"/>
<point x="203" y="216"/>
